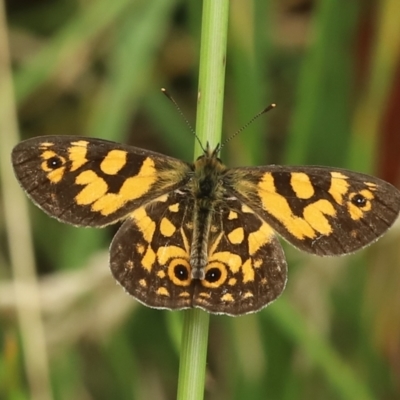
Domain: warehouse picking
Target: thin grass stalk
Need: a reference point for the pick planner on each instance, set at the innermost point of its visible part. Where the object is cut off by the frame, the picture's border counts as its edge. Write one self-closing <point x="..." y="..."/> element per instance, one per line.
<point x="208" y="127"/>
<point x="28" y="308"/>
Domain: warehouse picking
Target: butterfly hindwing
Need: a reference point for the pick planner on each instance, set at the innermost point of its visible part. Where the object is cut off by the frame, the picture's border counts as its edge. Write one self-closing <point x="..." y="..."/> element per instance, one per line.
<point x="149" y="254"/>
<point x="246" y="267"/>
<point x="150" y="257"/>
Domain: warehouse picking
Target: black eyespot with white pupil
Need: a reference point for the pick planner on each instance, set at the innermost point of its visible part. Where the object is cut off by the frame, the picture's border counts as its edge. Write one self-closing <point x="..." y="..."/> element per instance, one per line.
<point x="359" y="200"/>
<point x="181" y="272"/>
<point x="213" y="275"/>
<point x="54" y="162"/>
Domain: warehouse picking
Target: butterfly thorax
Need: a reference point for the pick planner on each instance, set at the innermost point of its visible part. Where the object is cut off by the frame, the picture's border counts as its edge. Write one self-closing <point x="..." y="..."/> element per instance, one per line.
<point x="208" y="193"/>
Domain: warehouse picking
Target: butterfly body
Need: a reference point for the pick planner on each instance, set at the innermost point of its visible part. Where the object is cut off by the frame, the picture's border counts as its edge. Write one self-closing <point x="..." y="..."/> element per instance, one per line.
<point x="201" y="234"/>
<point x="207" y="193"/>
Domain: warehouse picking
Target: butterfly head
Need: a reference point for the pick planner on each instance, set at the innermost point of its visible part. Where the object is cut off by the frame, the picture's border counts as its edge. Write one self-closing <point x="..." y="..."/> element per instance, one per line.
<point x="209" y="153"/>
<point x="209" y="160"/>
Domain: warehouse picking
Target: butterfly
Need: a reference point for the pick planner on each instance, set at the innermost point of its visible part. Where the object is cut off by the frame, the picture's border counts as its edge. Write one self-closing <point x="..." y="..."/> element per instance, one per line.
<point x="201" y="234"/>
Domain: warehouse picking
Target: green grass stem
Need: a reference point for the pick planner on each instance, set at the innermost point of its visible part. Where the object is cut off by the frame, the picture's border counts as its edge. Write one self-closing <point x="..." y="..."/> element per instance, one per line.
<point x="208" y="127"/>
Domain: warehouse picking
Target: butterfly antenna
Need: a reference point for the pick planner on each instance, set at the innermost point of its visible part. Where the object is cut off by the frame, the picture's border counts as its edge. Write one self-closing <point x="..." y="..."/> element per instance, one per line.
<point x="270" y="107"/>
<point x="182" y="115"/>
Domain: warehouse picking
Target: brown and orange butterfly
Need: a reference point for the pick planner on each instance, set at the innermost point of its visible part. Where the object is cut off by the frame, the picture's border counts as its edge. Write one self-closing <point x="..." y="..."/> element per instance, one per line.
<point x="202" y="235"/>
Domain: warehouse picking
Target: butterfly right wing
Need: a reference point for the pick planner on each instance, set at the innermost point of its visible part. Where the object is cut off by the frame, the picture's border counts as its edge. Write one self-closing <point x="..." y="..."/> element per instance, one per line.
<point x="321" y="210"/>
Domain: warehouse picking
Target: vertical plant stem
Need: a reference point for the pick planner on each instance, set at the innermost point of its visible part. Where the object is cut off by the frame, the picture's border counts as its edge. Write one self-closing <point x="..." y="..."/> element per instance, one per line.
<point x="210" y="96"/>
<point x="192" y="366"/>
<point x="208" y="127"/>
<point x="19" y="238"/>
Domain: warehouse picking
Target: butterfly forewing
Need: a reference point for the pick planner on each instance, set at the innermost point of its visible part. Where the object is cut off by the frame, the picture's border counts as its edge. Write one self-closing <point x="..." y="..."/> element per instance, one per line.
<point x="92" y="182"/>
<point x="320" y="210"/>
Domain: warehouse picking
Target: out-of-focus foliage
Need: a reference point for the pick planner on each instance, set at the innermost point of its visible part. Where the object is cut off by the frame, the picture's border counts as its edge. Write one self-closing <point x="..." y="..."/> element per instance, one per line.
<point x="95" y="68"/>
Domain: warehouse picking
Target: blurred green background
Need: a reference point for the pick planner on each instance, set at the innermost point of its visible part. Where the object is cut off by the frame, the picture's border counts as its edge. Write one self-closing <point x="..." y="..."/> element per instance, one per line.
<point x="95" y="68"/>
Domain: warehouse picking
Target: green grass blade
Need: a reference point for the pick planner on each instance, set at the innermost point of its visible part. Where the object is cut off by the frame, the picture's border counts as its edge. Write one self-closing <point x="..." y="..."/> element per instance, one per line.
<point x="208" y="127"/>
<point x="67" y="44"/>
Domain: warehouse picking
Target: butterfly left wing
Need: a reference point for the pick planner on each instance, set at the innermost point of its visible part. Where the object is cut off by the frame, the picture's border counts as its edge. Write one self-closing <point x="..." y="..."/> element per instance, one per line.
<point x="93" y="182"/>
<point x="321" y="210"/>
<point x="150" y="255"/>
